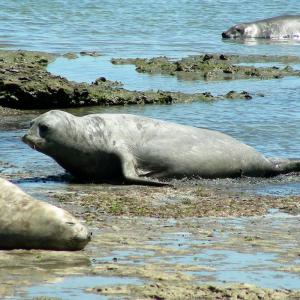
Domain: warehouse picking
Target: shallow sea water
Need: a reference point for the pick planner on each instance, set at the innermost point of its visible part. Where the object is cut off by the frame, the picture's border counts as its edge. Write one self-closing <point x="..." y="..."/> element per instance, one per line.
<point x="136" y="28"/>
<point x="151" y="28"/>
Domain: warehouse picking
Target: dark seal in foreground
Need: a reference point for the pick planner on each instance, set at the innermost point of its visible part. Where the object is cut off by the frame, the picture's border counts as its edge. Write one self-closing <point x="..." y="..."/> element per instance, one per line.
<point x="129" y="148"/>
<point x="281" y="27"/>
<point x="26" y="223"/>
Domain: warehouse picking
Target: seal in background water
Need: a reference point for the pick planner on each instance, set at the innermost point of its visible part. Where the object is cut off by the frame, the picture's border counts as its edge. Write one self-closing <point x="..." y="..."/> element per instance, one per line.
<point x="281" y="27"/>
<point x="26" y="223"/>
<point x="134" y="149"/>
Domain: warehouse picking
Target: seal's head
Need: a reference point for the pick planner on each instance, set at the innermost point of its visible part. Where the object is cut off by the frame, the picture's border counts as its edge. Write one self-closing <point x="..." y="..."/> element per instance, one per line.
<point x="32" y="224"/>
<point x="234" y="32"/>
<point x="60" y="229"/>
<point x="48" y="131"/>
<point x="65" y="138"/>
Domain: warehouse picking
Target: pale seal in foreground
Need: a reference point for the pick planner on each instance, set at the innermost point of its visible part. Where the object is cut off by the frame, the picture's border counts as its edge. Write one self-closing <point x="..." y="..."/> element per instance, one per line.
<point x="281" y="27"/>
<point x="108" y="147"/>
<point x="26" y="223"/>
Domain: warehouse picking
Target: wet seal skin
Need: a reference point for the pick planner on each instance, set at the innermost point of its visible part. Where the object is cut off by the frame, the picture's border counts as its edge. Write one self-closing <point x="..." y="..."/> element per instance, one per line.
<point x="26" y="223"/>
<point x="134" y="149"/>
<point x="281" y="27"/>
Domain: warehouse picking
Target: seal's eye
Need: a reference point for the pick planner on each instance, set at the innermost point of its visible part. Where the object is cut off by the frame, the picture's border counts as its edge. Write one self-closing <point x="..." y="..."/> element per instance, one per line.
<point x="43" y="128"/>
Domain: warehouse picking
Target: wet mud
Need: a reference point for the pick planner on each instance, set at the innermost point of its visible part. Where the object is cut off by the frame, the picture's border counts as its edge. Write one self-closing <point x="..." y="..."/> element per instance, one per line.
<point x="183" y="201"/>
<point x="164" y="243"/>
<point x="182" y="291"/>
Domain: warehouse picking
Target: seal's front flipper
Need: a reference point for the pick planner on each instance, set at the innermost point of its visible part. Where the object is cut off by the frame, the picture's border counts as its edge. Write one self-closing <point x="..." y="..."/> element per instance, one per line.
<point x="130" y="175"/>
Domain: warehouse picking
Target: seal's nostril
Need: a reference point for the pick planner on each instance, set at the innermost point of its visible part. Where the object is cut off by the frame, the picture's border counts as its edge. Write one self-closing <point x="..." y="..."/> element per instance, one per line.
<point x="224" y="35"/>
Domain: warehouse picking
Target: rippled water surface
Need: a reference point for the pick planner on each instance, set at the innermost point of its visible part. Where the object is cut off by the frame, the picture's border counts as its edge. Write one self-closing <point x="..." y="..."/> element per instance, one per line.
<point x="136" y="28"/>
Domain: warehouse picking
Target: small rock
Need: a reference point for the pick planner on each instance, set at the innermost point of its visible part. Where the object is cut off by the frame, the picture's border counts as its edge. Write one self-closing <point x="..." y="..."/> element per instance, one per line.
<point x="223" y="57"/>
<point x="207" y="57"/>
<point x="90" y="53"/>
<point x="70" y="55"/>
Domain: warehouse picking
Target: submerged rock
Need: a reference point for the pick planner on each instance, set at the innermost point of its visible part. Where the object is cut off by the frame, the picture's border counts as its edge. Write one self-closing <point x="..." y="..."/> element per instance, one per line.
<point x="70" y="55"/>
<point x="236" y="95"/>
<point x="90" y="53"/>
<point x="26" y="223"/>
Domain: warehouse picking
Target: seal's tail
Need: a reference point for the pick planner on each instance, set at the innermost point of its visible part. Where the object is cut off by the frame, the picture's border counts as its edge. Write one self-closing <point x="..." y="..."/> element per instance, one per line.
<point x="282" y="166"/>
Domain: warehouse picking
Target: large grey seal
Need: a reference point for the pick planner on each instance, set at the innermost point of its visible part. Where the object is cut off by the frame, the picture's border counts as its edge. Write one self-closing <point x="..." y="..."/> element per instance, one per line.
<point x="26" y="223"/>
<point x="133" y="148"/>
<point x="281" y="27"/>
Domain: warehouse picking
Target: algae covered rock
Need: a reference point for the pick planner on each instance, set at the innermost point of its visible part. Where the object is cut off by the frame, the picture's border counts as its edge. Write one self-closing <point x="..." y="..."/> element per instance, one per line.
<point x="25" y="83"/>
<point x="215" y="66"/>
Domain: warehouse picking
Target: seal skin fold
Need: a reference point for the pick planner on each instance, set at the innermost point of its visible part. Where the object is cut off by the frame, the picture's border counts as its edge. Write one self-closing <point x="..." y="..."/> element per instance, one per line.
<point x="135" y="149"/>
<point x="26" y="223"/>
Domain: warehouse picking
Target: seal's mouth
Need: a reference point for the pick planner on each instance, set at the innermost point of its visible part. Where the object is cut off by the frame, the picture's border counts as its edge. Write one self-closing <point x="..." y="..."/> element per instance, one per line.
<point x="29" y="141"/>
<point x="226" y="35"/>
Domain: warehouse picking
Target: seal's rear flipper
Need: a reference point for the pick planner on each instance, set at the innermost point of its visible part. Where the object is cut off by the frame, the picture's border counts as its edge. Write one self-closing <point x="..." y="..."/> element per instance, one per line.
<point x="283" y="166"/>
<point x="145" y="181"/>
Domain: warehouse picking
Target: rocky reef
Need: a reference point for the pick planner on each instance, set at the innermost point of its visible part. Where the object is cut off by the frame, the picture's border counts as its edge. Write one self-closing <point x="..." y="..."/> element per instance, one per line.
<point x="216" y="66"/>
<point x="25" y="83"/>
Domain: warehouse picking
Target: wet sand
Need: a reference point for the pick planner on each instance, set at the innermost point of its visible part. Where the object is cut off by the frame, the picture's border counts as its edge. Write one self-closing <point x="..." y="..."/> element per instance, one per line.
<point x="165" y="243"/>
